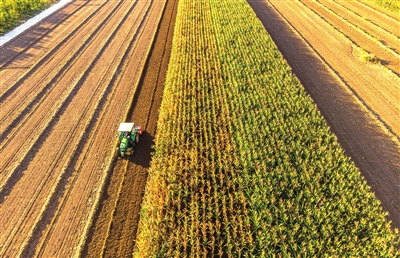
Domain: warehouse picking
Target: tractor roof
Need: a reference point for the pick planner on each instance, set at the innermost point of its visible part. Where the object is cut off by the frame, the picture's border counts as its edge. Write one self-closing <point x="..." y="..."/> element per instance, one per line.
<point x="125" y="127"/>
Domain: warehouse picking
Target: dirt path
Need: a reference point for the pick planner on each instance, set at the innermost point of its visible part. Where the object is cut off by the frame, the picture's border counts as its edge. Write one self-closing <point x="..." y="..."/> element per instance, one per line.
<point x="66" y="85"/>
<point x="114" y="231"/>
<point x="359" y="100"/>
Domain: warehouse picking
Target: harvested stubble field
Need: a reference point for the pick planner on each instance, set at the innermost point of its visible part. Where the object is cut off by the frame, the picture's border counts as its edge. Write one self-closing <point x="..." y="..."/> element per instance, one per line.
<point x="68" y="82"/>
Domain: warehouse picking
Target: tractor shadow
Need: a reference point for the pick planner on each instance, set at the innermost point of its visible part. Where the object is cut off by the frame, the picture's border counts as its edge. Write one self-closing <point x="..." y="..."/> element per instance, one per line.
<point x="143" y="150"/>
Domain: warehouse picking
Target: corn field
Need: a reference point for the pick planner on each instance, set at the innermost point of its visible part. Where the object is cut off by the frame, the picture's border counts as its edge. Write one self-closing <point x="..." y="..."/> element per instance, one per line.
<point x="244" y="163"/>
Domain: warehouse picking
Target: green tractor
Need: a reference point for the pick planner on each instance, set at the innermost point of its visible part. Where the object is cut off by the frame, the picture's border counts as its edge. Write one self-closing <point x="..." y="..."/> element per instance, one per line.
<point x="128" y="137"/>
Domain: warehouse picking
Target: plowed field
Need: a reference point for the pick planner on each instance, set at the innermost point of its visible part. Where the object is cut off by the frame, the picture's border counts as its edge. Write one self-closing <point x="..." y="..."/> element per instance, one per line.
<point x="323" y="42"/>
<point x="66" y="84"/>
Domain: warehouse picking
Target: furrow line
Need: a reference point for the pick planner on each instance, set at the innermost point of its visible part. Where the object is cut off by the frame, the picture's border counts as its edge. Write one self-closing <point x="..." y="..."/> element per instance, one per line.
<point x="361" y="45"/>
<point x="348" y="5"/>
<point x="49" y="55"/>
<point x="377" y="9"/>
<point x="48" y="112"/>
<point x="18" y="112"/>
<point x="373" y="40"/>
<point x="6" y="62"/>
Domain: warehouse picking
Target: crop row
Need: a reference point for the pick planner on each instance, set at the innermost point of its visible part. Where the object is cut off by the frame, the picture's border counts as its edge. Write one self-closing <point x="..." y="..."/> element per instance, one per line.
<point x="244" y="163"/>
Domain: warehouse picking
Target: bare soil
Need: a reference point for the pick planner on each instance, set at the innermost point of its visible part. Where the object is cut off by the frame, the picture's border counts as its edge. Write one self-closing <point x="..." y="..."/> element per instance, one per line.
<point x="360" y="31"/>
<point x="359" y="100"/>
<point x="66" y="84"/>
